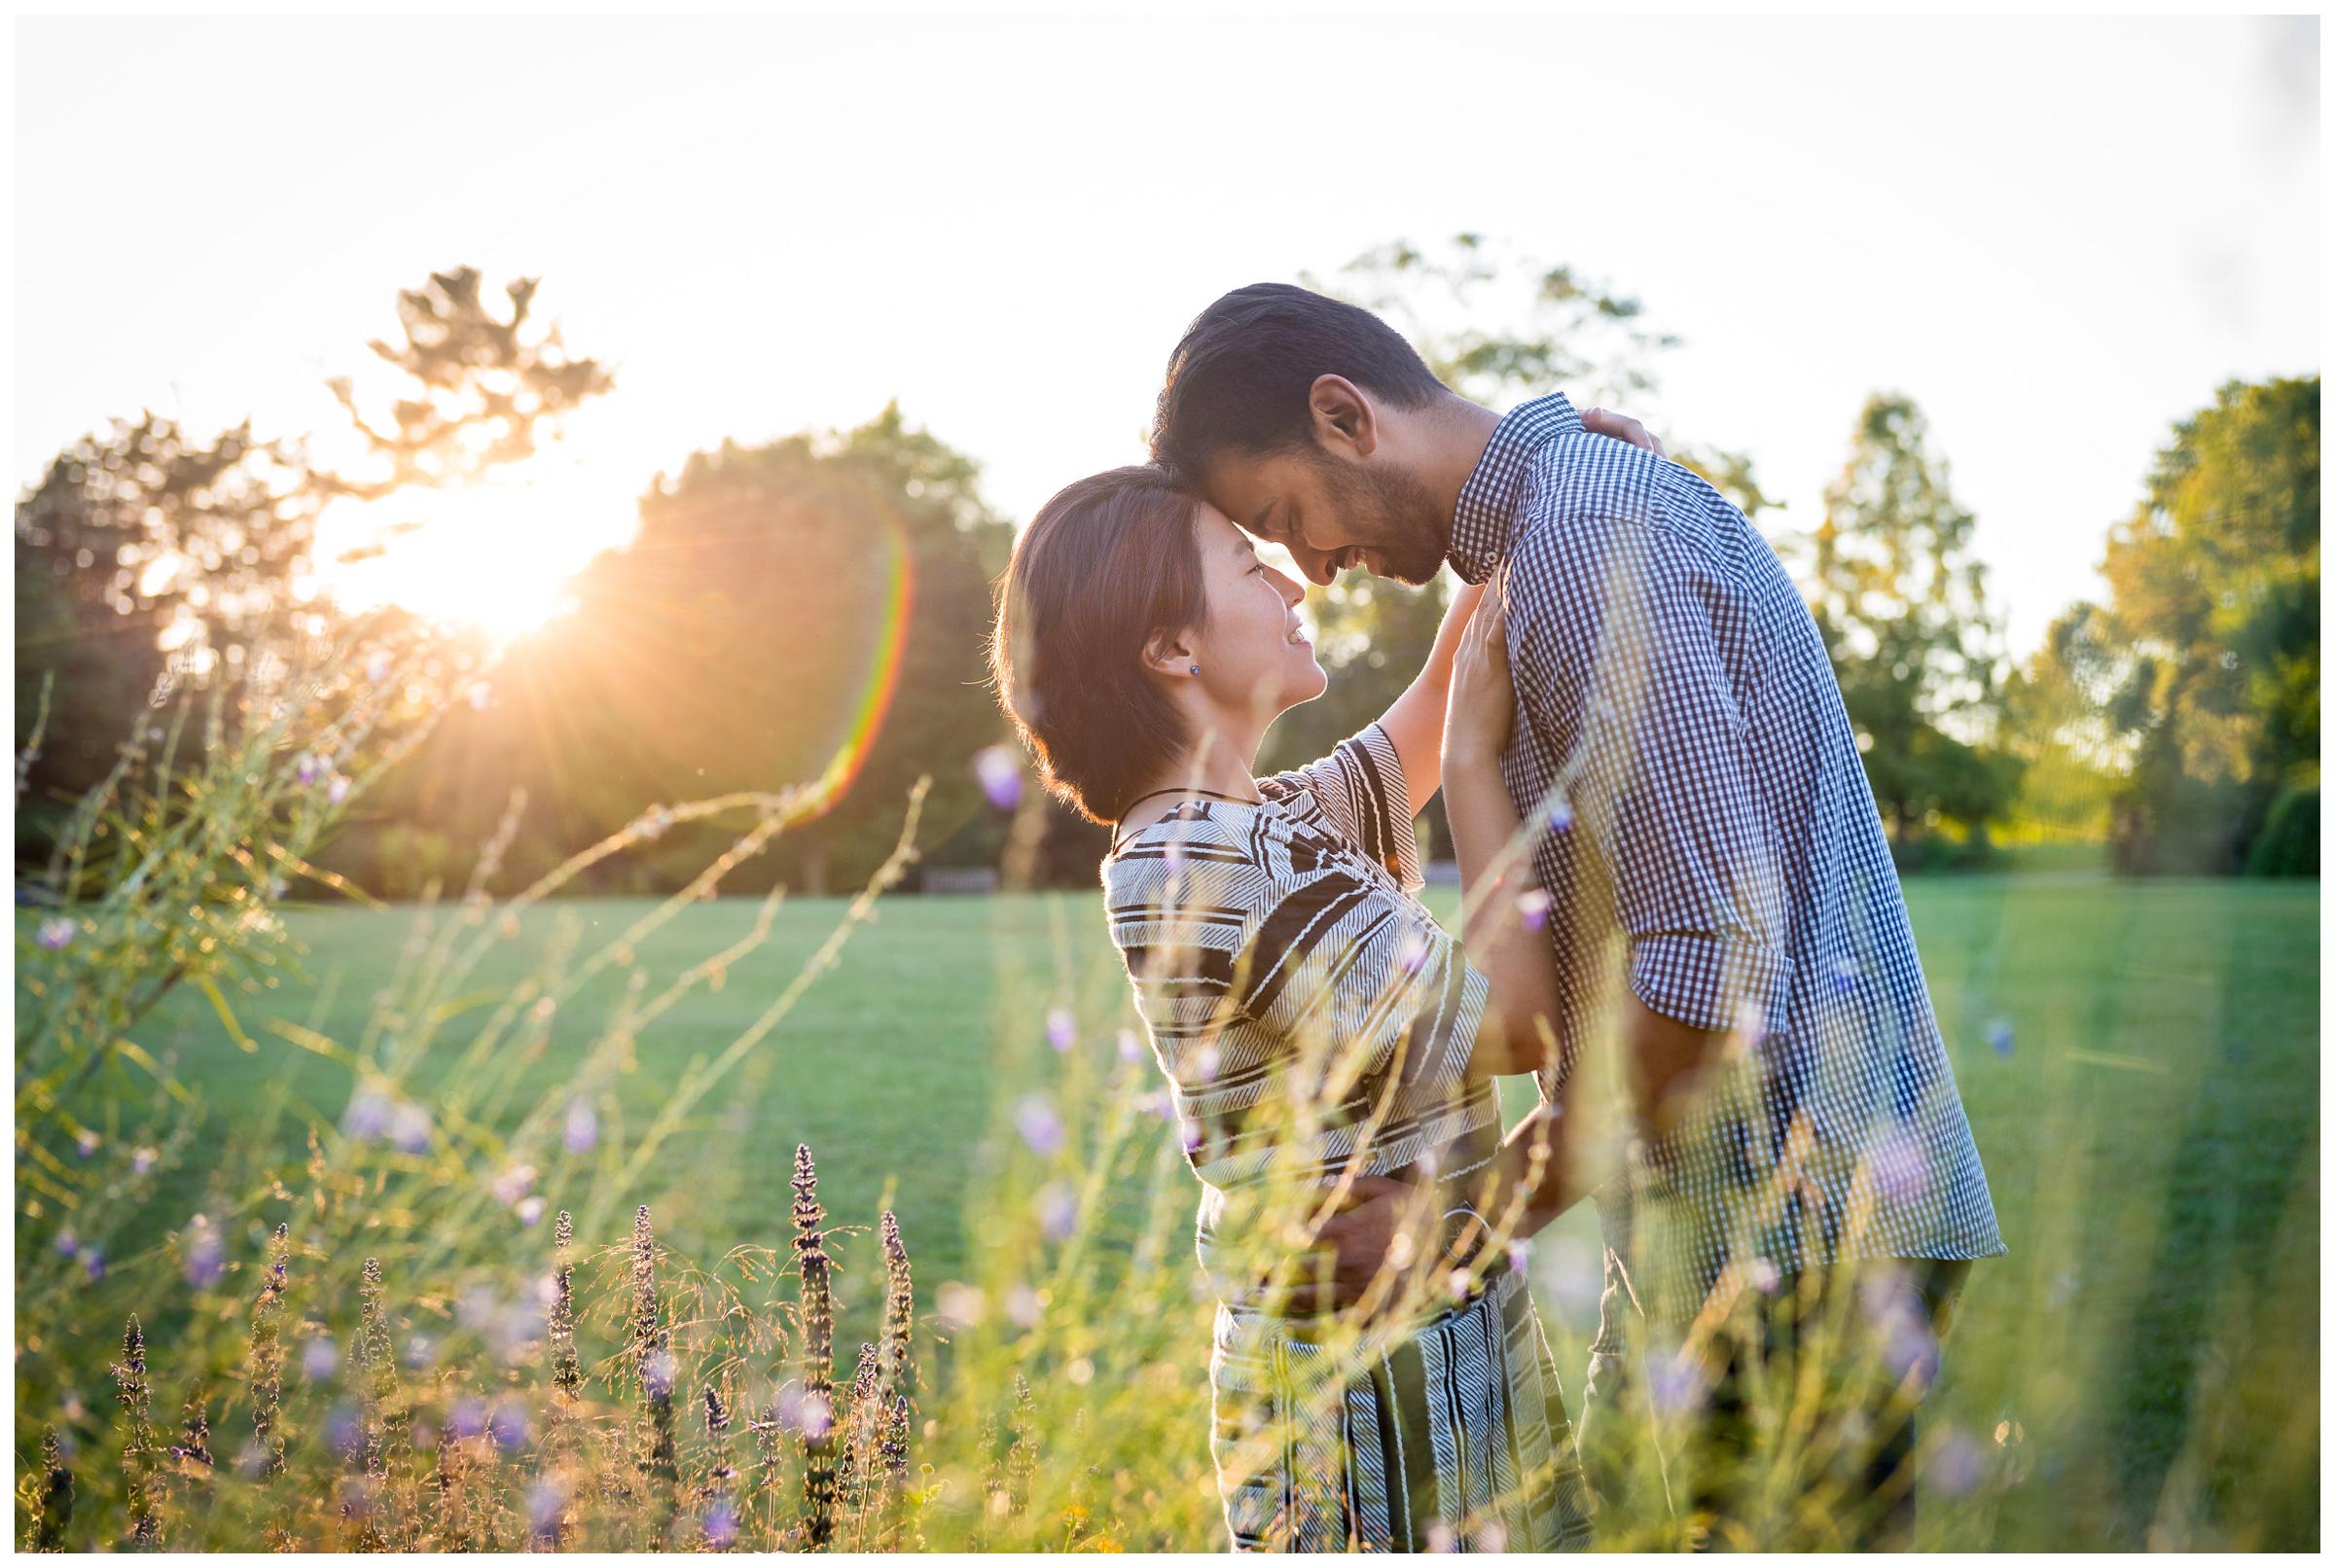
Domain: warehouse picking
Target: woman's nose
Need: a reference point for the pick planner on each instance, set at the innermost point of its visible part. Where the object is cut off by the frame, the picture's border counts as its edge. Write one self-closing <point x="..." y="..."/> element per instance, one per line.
<point x="1293" y="592"/>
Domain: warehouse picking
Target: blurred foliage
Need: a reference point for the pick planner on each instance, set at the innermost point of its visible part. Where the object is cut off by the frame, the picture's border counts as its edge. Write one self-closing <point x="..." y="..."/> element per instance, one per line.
<point x="2181" y="719"/>
<point x="1901" y="603"/>
<point x="2212" y="630"/>
<point x="148" y="561"/>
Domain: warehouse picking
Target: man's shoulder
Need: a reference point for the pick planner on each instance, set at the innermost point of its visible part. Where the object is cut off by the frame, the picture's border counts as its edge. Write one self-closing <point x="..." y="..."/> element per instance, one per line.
<point x="1579" y="476"/>
<point x="1587" y="496"/>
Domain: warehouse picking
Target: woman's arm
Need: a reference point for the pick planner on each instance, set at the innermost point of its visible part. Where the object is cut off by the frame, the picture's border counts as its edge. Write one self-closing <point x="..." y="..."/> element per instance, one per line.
<point x="1414" y="721"/>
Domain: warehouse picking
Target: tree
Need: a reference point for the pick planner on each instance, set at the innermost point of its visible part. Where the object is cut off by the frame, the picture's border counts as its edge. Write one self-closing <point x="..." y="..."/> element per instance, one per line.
<point x="2055" y="723"/>
<point x="803" y="610"/>
<point x="2213" y="622"/>
<point x="1901" y="603"/>
<point x="1497" y="326"/>
<point x="481" y="392"/>
<point x="148" y="561"/>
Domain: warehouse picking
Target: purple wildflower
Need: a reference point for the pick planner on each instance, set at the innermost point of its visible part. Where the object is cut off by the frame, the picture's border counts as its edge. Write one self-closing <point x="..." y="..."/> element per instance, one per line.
<point x="547" y="1502"/>
<point x="530" y="1209"/>
<point x="721" y="1524"/>
<point x="1998" y="1035"/>
<point x="963" y="1306"/>
<point x="409" y="1128"/>
<point x="1000" y="773"/>
<point x="1062" y="1033"/>
<point x="207" y="1254"/>
<point x="368" y="1114"/>
<point x="508" y="1422"/>
<point x="513" y="1184"/>
<point x="657" y="1372"/>
<point x="86" y="1143"/>
<point x="583" y="1130"/>
<point x="337" y="790"/>
<point x="1058" y="1211"/>
<point x="1957" y="1465"/>
<point x="817" y="1414"/>
<point x="1900" y="1166"/>
<point x="1130" y="1046"/>
<point x="467" y="1420"/>
<point x="1676" y="1383"/>
<point x="1040" y="1128"/>
<point x="93" y="1261"/>
<point x="309" y="769"/>
<point x="144" y="1160"/>
<point x="55" y="932"/>
<point x="319" y="1358"/>
<point x="343" y="1429"/>
<point x="1413" y="954"/>
<point x="419" y="1352"/>
<point x="68" y="1243"/>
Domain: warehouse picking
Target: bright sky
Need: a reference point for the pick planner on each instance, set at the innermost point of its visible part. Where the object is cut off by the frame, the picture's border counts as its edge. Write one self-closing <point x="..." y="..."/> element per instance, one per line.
<point x="2058" y="237"/>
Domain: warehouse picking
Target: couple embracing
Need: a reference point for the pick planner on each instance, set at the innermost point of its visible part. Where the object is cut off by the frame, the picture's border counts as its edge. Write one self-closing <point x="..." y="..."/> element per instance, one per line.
<point x="1680" y="917"/>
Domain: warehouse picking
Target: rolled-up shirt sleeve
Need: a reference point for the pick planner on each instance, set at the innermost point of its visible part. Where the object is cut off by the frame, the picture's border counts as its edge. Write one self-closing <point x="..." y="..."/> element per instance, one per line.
<point x="1615" y="645"/>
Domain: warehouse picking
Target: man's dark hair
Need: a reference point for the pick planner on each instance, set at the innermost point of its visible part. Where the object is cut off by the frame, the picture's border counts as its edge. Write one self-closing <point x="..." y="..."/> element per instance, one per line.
<point x="1107" y="564"/>
<point x="1242" y="379"/>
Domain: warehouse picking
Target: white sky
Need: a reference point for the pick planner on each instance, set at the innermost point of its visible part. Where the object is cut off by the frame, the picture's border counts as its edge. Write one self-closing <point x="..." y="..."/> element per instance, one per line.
<point x="2058" y="237"/>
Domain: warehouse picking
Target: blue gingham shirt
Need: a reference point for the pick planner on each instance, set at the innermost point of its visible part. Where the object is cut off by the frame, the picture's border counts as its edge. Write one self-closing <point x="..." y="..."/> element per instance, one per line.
<point x="1682" y="751"/>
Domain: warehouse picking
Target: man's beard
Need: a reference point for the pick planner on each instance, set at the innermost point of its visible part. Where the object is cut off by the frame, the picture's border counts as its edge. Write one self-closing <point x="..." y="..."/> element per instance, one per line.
<point x="1392" y="515"/>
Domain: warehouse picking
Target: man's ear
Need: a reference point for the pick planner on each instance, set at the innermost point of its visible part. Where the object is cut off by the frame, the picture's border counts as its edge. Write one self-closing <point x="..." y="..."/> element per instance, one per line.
<point x="1343" y="419"/>
<point x="1169" y="654"/>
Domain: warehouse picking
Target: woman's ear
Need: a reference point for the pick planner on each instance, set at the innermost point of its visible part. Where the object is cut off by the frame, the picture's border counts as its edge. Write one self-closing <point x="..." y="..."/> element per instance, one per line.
<point x="1343" y="417"/>
<point x="1170" y="654"/>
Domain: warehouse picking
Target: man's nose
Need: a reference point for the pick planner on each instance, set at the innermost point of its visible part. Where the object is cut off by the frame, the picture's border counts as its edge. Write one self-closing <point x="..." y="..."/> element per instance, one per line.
<point x="1318" y="565"/>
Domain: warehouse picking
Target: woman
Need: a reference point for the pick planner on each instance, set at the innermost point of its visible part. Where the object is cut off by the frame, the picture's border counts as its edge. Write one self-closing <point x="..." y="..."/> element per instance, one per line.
<point x="1318" y="1029"/>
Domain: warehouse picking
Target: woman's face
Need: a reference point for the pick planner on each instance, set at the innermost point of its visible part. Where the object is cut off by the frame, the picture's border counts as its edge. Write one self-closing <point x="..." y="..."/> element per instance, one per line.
<point x="1254" y="655"/>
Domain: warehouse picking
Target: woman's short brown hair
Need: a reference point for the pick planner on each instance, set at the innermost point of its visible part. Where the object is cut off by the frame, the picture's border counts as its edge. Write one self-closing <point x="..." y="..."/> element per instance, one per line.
<point x="1109" y="562"/>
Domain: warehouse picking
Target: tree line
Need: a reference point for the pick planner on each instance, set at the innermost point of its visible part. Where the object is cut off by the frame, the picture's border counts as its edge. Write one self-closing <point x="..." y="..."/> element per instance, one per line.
<point x="814" y="608"/>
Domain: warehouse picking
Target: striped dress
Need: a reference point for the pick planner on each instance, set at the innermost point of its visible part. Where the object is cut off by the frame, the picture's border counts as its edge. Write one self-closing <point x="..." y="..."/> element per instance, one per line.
<point x="1312" y="1017"/>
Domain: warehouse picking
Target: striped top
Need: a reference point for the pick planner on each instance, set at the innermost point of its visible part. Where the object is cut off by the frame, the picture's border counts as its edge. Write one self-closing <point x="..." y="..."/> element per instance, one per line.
<point x="1309" y="1013"/>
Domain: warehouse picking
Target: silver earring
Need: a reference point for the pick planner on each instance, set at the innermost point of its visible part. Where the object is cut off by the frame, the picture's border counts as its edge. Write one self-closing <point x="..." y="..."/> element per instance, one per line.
<point x="1196" y="669"/>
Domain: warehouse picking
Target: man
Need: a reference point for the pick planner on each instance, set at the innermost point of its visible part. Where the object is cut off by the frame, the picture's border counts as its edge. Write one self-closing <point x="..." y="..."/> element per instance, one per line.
<point x="1721" y="894"/>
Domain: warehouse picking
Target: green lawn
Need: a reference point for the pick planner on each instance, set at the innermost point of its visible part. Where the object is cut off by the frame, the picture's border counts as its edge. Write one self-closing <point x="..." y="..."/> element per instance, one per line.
<point x="2148" y="1350"/>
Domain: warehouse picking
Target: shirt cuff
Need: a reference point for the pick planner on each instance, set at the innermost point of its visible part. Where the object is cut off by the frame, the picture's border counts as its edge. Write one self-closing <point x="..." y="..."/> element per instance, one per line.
<point x="1707" y="982"/>
<point x="1394" y="798"/>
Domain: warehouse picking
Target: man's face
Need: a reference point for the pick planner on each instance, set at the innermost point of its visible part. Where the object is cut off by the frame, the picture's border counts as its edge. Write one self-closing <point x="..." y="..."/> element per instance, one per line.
<point x="1331" y="513"/>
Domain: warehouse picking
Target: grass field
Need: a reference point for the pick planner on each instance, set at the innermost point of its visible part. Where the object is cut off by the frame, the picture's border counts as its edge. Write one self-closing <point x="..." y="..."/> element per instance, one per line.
<point x="2140" y="1063"/>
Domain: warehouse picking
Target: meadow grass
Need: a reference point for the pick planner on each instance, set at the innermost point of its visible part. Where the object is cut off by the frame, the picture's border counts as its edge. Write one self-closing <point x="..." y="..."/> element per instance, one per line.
<point x="2139" y="1061"/>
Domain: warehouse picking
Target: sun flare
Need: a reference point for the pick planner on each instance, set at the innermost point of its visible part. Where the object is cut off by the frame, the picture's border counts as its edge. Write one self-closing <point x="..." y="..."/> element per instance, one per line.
<point x="496" y="554"/>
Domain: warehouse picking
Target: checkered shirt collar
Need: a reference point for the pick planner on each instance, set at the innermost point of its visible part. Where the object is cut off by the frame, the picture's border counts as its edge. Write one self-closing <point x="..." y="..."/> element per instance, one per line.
<point x="1483" y="524"/>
